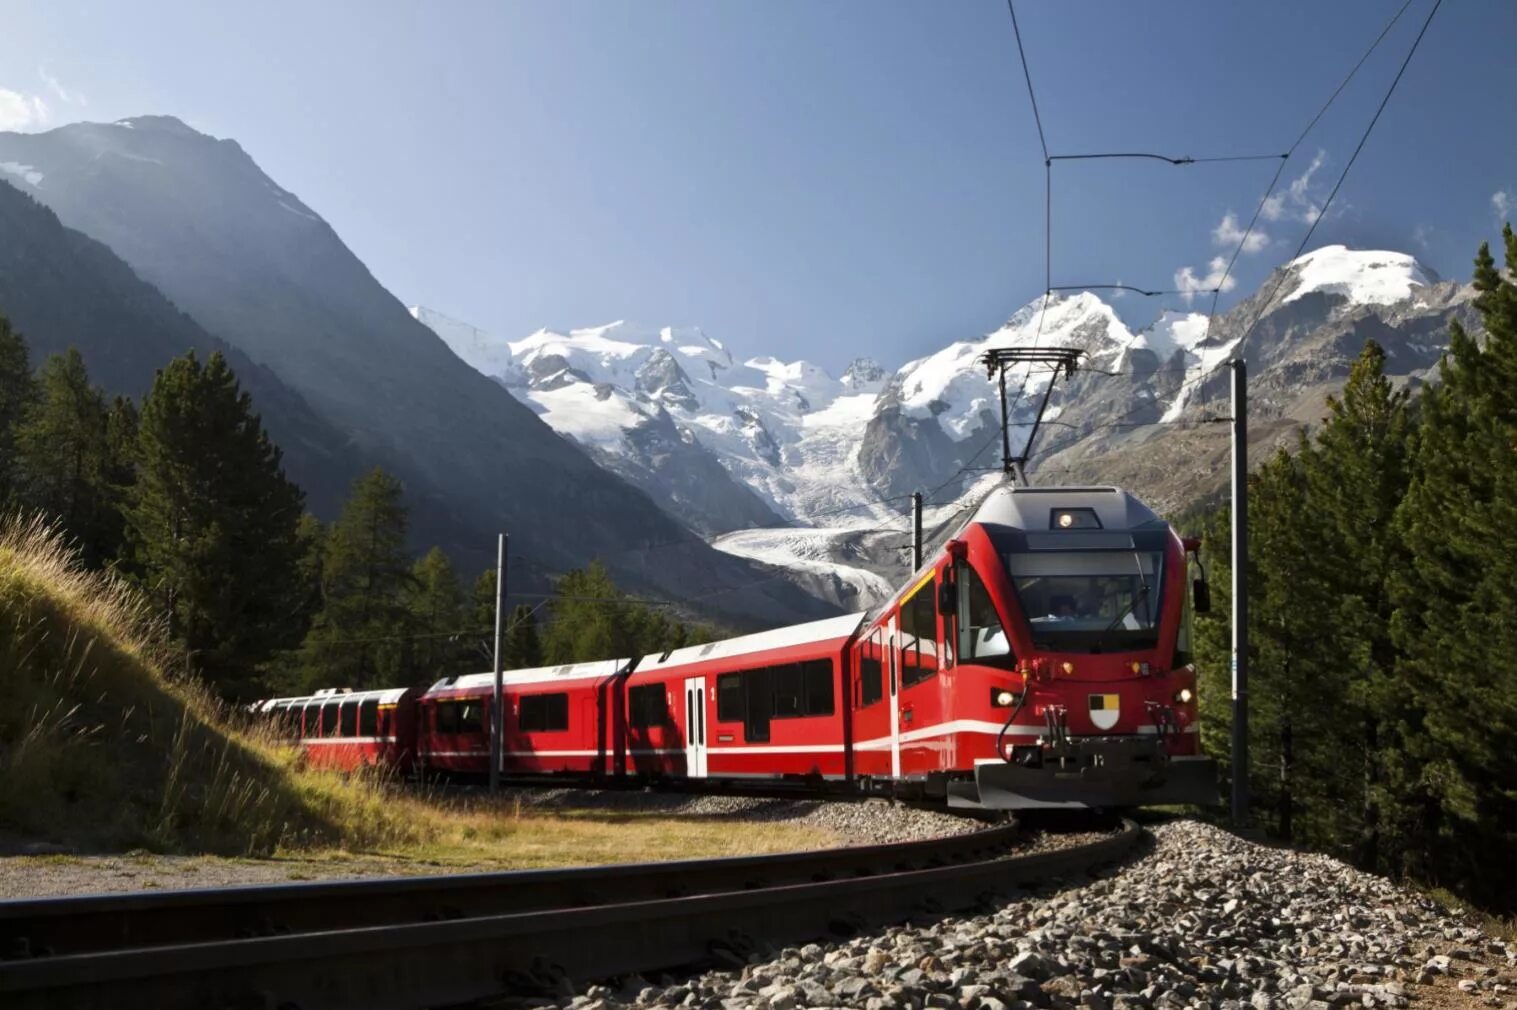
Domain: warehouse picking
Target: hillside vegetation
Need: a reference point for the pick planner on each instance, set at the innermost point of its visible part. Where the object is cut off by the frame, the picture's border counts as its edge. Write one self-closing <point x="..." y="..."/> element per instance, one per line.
<point x="100" y="746"/>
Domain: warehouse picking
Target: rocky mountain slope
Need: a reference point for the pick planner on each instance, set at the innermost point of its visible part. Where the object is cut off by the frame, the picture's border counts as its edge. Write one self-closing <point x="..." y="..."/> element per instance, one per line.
<point x="834" y="458"/>
<point x="195" y="217"/>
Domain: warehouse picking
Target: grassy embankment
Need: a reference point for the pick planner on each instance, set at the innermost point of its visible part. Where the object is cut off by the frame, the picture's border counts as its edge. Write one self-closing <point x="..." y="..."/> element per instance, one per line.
<point x="102" y="750"/>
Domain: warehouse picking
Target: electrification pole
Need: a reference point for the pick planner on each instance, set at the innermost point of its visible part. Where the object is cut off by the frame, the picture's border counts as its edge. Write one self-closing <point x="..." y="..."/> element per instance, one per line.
<point x="1240" y="593"/>
<point x="497" y="712"/>
<point x="916" y="537"/>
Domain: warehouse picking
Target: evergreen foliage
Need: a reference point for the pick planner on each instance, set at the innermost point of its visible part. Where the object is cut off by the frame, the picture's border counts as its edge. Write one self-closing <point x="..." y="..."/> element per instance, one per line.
<point x="437" y="611"/>
<point x="17" y="391"/>
<point x="360" y="638"/>
<point x="522" y="648"/>
<point x="592" y="619"/>
<point x="71" y="468"/>
<point x="212" y="523"/>
<point x="1383" y="589"/>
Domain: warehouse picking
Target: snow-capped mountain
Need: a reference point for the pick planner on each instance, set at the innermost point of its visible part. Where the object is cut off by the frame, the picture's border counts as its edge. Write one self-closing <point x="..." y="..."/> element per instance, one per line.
<point x="824" y="462"/>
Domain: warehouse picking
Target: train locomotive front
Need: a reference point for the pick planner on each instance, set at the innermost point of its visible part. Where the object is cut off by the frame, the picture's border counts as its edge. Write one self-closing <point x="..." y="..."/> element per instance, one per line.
<point x="1071" y="611"/>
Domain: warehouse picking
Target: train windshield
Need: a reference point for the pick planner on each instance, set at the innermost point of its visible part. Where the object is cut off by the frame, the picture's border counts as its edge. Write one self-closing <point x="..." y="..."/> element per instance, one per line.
<point x="1090" y="601"/>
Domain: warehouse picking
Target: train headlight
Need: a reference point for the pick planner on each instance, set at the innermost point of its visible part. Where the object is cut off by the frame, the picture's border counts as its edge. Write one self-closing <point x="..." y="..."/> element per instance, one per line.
<point x="1067" y="667"/>
<point x="1185" y="696"/>
<point x="1002" y="699"/>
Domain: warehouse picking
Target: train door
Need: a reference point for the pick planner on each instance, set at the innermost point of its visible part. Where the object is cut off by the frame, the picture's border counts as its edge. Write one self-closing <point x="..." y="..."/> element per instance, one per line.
<point x="695" y="727"/>
<point x="893" y="650"/>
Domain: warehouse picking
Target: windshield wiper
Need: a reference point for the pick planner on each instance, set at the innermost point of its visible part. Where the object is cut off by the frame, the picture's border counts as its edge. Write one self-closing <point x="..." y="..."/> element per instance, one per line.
<point x="1138" y="597"/>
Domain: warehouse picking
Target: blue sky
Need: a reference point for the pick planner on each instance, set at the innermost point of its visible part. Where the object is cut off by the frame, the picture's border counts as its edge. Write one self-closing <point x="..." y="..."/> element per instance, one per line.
<point x="810" y="179"/>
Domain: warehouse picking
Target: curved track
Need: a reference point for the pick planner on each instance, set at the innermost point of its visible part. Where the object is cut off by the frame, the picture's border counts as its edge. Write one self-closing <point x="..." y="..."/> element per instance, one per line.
<point x="424" y="941"/>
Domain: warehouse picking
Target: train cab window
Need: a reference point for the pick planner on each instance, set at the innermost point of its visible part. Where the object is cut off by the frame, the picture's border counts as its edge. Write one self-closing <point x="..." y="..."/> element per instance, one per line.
<point x="871" y="669"/>
<point x="919" y="636"/>
<point x="347" y="724"/>
<point x="982" y="639"/>
<point x="543" y="713"/>
<point x="368" y="718"/>
<point x="816" y="682"/>
<point x="647" y="705"/>
<point x="729" y="698"/>
<point x="449" y="718"/>
<point x="329" y="718"/>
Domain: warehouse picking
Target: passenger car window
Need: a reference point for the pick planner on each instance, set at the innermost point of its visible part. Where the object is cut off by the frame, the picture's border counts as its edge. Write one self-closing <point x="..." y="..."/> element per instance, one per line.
<point x="872" y="669"/>
<point x="647" y="705"/>
<point x="729" y="698"/>
<point x="368" y="718"/>
<point x="919" y="635"/>
<point x="544" y="713"/>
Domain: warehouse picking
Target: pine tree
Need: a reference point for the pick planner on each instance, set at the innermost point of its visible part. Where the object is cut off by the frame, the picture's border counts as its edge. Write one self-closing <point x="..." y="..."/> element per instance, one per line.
<point x="17" y="391"/>
<point x="63" y="449"/>
<point x="437" y="609"/>
<point x="522" y="648"/>
<point x="1451" y="792"/>
<point x="361" y="637"/>
<point x="1357" y="475"/>
<point x="592" y="619"/>
<point x="212" y="522"/>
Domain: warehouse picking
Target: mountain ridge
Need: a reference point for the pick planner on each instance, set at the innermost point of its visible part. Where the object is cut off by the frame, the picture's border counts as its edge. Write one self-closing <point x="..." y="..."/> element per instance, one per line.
<point x="934" y="421"/>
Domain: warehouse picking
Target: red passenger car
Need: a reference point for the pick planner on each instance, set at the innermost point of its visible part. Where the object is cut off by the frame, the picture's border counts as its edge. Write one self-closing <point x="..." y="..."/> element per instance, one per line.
<point x="347" y="729"/>
<point x="558" y="720"/>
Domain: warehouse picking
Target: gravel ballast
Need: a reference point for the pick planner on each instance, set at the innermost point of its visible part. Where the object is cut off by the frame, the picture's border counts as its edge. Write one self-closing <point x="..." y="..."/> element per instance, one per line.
<point x="856" y="822"/>
<point x="1204" y="919"/>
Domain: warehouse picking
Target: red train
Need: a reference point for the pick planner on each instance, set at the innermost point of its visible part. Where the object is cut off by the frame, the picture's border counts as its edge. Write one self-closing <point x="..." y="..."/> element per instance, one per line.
<point x="1042" y="658"/>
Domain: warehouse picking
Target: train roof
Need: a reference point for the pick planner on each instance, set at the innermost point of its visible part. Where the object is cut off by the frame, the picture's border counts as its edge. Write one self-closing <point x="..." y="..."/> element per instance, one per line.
<point x="1032" y="508"/>
<point x="597" y="670"/>
<point x="829" y="629"/>
<point x="384" y="696"/>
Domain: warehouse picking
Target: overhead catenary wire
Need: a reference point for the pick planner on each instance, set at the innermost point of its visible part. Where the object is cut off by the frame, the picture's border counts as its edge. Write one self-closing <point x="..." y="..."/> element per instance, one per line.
<point x="1295" y="145"/>
<point x="1205" y="371"/>
<point x="1363" y="139"/>
<point x="1164" y="157"/>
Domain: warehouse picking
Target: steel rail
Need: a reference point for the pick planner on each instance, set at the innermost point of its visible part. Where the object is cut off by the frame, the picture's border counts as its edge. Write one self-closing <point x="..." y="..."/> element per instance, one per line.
<point x="419" y="963"/>
<point x="40" y="927"/>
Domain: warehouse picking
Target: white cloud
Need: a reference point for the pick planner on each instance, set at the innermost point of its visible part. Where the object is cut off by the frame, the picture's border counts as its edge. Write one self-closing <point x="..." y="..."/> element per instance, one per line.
<point x="22" y="112"/>
<point x="1502" y="203"/>
<point x="1188" y="284"/>
<point x="1118" y="292"/>
<point x="1297" y="202"/>
<point x="63" y="94"/>
<point x="1423" y="235"/>
<point x="1229" y="234"/>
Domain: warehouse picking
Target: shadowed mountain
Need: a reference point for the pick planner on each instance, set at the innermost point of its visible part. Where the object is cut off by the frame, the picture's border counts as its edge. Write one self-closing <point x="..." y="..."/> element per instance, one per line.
<point x="195" y="217"/>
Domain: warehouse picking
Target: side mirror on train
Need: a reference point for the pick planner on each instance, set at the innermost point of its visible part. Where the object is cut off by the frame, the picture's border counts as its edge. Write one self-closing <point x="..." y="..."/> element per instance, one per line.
<point x="948" y="598"/>
<point x="1200" y="596"/>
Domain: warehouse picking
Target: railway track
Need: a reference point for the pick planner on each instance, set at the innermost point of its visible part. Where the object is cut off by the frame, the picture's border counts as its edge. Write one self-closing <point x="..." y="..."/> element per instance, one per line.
<point x="426" y="941"/>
